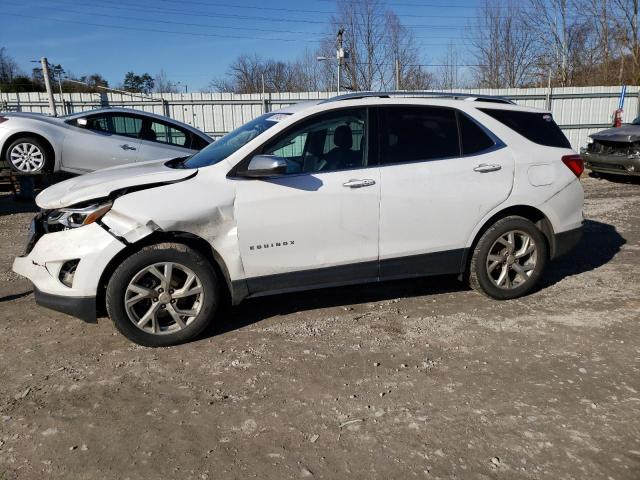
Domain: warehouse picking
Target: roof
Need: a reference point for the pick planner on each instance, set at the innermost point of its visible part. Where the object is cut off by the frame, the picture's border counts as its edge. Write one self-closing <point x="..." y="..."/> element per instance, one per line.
<point x="421" y="94"/>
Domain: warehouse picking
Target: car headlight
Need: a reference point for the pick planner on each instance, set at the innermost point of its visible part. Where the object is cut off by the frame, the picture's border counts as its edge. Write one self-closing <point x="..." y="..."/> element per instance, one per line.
<point x="77" y="217"/>
<point x="589" y="140"/>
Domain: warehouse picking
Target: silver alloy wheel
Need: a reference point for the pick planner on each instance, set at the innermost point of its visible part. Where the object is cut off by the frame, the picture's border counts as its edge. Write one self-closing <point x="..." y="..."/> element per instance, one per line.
<point x="164" y="298"/>
<point x="27" y="157"/>
<point x="512" y="259"/>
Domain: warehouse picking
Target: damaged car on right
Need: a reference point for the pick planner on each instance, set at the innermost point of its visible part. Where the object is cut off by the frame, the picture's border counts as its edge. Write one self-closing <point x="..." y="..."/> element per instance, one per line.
<point x="614" y="151"/>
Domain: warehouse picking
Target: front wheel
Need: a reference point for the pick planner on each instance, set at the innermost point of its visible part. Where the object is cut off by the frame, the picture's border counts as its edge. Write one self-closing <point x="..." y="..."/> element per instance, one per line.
<point x="509" y="259"/>
<point x="162" y="295"/>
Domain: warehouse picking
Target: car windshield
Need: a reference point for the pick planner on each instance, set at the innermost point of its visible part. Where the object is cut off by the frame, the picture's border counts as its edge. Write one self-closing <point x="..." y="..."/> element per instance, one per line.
<point x="636" y="121"/>
<point x="233" y="141"/>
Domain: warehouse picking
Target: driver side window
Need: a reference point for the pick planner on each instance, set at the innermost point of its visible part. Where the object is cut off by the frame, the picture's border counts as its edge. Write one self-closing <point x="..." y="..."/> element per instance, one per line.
<point x="331" y="141"/>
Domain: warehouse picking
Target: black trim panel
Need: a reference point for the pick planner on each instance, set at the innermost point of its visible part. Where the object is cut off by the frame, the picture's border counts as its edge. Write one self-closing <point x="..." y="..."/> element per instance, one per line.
<point x="437" y="263"/>
<point x="317" y="277"/>
<point x="83" y="308"/>
<point x="426" y="264"/>
<point x="564" y="242"/>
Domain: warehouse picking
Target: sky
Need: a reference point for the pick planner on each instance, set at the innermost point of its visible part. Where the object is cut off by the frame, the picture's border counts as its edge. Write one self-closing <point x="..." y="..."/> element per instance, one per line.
<point x="194" y="41"/>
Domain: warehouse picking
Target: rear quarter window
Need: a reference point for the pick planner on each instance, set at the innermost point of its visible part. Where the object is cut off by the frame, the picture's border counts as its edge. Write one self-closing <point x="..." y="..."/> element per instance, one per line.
<point x="536" y="127"/>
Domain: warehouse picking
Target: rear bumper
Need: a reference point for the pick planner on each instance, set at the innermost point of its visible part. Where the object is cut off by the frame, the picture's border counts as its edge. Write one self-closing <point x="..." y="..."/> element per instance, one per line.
<point x="613" y="164"/>
<point x="564" y="242"/>
<point x="83" y="308"/>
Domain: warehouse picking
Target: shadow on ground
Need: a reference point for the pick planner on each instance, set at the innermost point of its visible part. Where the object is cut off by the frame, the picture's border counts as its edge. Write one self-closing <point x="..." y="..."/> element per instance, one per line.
<point x="625" y="179"/>
<point x="599" y="244"/>
<point x="9" y="205"/>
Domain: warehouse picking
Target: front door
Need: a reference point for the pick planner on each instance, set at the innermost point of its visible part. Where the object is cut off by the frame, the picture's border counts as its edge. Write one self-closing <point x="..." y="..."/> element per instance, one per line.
<point x="107" y="140"/>
<point x="316" y="225"/>
<point x="441" y="173"/>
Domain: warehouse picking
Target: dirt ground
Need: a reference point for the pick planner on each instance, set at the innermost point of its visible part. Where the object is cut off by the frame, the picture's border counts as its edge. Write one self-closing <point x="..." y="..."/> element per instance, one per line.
<point x="411" y="379"/>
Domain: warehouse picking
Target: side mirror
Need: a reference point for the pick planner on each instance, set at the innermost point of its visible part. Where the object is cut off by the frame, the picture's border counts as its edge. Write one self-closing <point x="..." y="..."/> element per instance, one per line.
<point x="81" y="122"/>
<point x="265" y="166"/>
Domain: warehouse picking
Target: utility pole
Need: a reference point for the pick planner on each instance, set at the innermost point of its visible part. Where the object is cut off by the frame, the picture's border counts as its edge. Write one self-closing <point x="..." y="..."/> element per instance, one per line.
<point x="339" y="56"/>
<point x="47" y="84"/>
<point x="58" y="71"/>
<point x="397" y="74"/>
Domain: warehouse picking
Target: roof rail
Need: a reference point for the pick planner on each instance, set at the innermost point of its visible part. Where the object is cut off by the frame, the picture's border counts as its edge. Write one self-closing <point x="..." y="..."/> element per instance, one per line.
<point x="409" y="94"/>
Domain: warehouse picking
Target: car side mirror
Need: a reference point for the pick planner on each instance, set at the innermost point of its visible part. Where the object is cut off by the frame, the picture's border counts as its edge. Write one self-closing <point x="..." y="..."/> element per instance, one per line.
<point x="81" y="122"/>
<point x="262" y="166"/>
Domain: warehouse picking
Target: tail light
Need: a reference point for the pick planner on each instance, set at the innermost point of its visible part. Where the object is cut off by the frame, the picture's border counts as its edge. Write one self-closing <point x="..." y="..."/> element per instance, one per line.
<point x="3" y="119"/>
<point x="574" y="163"/>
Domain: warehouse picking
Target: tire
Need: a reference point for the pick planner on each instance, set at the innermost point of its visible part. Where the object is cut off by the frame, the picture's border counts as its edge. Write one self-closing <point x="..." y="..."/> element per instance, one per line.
<point x="165" y="313"/>
<point x="516" y="272"/>
<point x="29" y="155"/>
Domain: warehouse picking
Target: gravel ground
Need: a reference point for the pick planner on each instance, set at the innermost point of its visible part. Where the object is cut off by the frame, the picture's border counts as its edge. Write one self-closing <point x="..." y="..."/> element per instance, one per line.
<point x="411" y="379"/>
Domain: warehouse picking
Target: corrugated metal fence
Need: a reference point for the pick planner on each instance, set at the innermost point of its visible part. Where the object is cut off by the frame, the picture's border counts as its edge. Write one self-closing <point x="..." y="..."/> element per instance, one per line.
<point x="580" y="111"/>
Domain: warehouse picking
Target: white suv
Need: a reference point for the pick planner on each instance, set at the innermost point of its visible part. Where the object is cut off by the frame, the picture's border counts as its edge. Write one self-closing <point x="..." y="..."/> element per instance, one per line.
<point x="358" y="188"/>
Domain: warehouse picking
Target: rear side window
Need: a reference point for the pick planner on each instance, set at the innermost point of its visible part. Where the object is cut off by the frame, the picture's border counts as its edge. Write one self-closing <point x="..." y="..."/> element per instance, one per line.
<point x="474" y="139"/>
<point x="171" y="135"/>
<point x="419" y="133"/>
<point x="537" y="127"/>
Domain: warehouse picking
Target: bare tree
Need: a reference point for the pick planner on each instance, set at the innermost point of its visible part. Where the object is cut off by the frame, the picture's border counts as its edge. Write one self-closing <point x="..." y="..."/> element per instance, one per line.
<point x="162" y="84"/>
<point x="503" y="46"/>
<point x="401" y="48"/>
<point x="561" y="32"/>
<point x="601" y="41"/>
<point x="252" y="74"/>
<point x="627" y="24"/>
<point x="8" y="67"/>
<point x="449" y="70"/>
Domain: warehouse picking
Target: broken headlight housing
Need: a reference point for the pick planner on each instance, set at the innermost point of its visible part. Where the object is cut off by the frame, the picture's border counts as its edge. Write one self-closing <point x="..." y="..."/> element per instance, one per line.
<point x="77" y="217"/>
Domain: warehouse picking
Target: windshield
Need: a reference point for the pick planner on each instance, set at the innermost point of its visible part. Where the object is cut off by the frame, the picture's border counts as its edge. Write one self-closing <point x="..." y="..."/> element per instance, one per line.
<point x="636" y="121"/>
<point x="233" y="141"/>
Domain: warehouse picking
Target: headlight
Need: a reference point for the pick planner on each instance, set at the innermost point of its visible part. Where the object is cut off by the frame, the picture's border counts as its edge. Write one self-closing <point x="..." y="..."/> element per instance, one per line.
<point x="589" y="140"/>
<point x="77" y="217"/>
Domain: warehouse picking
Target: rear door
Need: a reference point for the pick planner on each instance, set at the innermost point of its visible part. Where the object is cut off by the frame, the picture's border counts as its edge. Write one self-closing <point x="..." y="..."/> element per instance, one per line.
<point x="107" y="140"/>
<point x="160" y="139"/>
<point x="440" y="174"/>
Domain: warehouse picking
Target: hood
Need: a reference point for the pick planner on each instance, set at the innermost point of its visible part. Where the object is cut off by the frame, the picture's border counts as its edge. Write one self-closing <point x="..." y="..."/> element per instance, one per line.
<point x="626" y="134"/>
<point x="101" y="183"/>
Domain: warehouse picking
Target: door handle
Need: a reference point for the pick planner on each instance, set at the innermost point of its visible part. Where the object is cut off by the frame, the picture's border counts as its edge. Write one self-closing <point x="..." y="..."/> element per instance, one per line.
<point x="485" y="168"/>
<point x="355" y="183"/>
<point x="127" y="147"/>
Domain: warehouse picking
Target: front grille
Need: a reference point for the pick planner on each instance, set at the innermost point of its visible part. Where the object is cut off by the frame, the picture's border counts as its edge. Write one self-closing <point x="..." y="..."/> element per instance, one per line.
<point x="36" y="230"/>
<point x="604" y="147"/>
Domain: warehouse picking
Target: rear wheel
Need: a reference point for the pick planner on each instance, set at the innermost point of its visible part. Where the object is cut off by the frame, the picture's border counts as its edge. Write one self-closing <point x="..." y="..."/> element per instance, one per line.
<point x="28" y="155"/>
<point x="162" y="295"/>
<point x="509" y="259"/>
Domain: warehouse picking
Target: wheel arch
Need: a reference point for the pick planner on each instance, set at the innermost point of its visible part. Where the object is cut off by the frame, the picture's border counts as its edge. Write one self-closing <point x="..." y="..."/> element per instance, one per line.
<point x="232" y="291"/>
<point x="532" y="214"/>
<point x="51" y="167"/>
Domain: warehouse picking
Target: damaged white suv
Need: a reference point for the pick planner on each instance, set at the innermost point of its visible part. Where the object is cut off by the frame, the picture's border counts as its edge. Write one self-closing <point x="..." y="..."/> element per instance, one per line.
<point x="359" y="188"/>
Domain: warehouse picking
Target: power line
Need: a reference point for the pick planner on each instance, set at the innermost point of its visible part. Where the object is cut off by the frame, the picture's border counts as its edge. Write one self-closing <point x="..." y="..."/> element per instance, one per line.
<point x="226" y="27"/>
<point x="299" y="10"/>
<point x="157" y="30"/>
<point x="182" y="12"/>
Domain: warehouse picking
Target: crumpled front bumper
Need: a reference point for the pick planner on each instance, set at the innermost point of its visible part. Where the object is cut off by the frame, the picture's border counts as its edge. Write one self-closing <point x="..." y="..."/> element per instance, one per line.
<point x="92" y="245"/>
<point x="614" y="164"/>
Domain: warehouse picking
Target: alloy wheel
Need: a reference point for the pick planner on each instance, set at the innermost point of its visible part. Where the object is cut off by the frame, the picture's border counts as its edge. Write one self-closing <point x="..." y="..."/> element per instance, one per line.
<point x="511" y="259"/>
<point x="27" y="157"/>
<point x="164" y="298"/>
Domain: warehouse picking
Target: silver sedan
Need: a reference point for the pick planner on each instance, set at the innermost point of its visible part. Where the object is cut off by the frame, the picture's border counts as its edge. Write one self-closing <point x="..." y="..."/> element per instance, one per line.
<point x="33" y="143"/>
